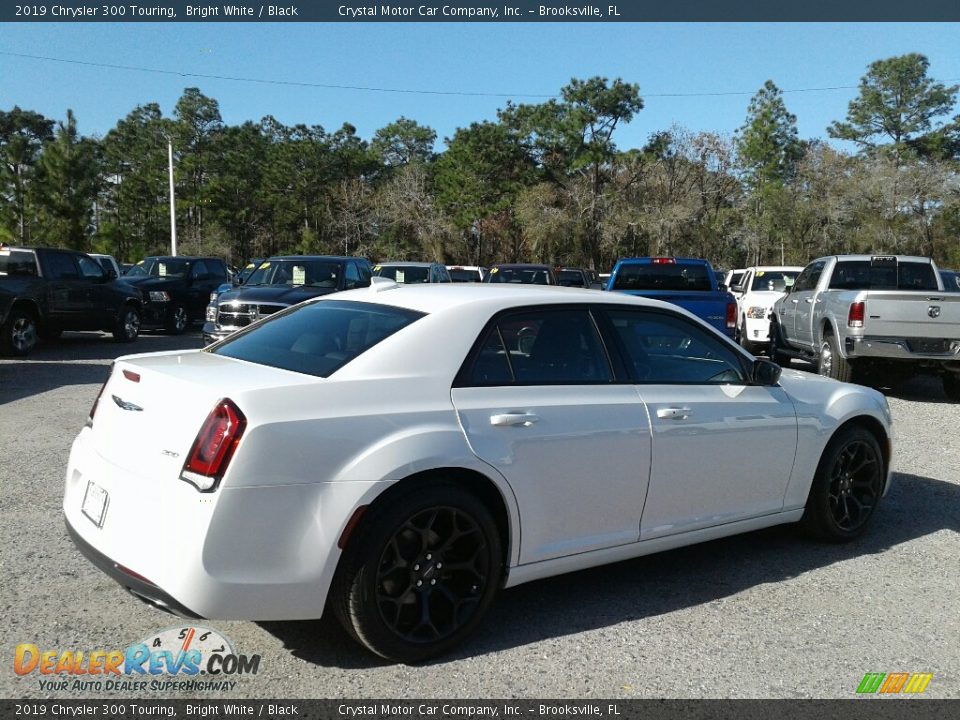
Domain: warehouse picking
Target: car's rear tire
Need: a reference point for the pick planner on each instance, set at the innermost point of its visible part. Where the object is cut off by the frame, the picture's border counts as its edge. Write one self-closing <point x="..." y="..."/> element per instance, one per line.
<point x="847" y="486"/>
<point x="951" y="386"/>
<point x="127" y="328"/>
<point x="419" y="573"/>
<point x="177" y="320"/>
<point x="831" y="363"/>
<point x="18" y="336"/>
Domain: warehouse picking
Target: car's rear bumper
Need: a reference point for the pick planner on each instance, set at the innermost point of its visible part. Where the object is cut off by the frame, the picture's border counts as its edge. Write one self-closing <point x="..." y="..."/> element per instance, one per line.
<point x="245" y="553"/>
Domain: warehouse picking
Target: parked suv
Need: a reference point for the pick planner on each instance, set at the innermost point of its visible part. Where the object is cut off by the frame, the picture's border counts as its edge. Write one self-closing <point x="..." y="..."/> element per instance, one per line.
<point x="280" y="282"/>
<point x="176" y="290"/>
<point x="44" y="291"/>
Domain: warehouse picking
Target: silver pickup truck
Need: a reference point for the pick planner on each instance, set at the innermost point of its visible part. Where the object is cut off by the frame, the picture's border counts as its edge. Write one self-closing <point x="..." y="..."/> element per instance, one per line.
<point x="887" y="317"/>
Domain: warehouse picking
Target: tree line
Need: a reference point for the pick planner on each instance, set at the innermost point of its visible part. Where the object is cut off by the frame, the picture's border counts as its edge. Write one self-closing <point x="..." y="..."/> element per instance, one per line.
<point x="545" y="182"/>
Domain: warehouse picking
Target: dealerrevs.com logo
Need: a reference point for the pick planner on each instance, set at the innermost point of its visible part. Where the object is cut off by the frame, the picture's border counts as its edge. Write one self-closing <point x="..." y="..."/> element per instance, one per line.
<point x="184" y="653"/>
<point x="894" y="683"/>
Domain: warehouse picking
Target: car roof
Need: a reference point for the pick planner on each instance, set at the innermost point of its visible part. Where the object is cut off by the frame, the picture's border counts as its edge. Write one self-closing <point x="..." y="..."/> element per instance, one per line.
<point x="406" y="263"/>
<point x="441" y="297"/>
<point x="337" y="258"/>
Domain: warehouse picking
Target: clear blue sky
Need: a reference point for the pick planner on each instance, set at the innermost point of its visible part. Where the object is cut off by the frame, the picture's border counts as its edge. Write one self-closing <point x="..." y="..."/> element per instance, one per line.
<point x="517" y="59"/>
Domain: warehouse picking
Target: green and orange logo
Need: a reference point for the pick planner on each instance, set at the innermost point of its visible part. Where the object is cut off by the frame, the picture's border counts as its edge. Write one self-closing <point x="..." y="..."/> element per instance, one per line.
<point x="894" y="683"/>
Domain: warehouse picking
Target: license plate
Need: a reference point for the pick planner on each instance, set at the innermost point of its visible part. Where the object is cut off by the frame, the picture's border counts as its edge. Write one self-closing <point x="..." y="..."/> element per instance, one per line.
<point x="95" y="502"/>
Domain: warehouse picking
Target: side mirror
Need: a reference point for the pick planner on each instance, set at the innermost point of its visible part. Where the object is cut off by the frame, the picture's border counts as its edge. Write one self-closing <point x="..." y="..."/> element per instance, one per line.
<point x="736" y="288"/>
<point x="721" y="287"/>
<point x="110" y="273"/>
<point x="765" y="372"/>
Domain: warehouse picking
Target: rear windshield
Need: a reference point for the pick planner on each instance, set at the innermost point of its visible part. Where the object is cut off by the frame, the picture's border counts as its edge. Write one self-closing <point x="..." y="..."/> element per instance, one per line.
<point x="663" y="277"/>
<point x="461" y="275"/>
<point x="316" y="338"/>
<point x="570" y="278"/>
<point x="523" y="276"/>
<point x="868" y="275"/>
<point x="406" y="274"/>
<point x="18" y="263"/>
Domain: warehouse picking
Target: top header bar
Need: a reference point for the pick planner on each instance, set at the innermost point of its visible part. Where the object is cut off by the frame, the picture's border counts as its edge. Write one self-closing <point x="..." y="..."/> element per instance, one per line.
<point x="597" y="11"/>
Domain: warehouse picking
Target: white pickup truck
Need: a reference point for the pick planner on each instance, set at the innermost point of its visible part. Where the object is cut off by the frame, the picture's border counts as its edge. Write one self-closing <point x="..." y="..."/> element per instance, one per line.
<point x="884" y="315"/>
<point x="758" y="289"/>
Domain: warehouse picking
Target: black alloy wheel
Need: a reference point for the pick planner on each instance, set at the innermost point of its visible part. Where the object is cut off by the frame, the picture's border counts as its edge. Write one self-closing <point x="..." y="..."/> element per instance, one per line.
<point x="847" y="486"/>
<point x="420" y="575"/>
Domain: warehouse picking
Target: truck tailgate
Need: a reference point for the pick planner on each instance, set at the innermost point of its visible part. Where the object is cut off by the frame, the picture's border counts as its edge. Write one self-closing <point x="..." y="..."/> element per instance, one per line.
<point x="905" y="314"/>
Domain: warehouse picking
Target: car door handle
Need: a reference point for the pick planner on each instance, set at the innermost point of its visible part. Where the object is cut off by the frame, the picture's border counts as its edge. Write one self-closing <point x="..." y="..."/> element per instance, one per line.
<point x="794" y="301"/>
<point x="808" y="300"/>
<point x="505" y="419"/>
<point x="673" y="413"/>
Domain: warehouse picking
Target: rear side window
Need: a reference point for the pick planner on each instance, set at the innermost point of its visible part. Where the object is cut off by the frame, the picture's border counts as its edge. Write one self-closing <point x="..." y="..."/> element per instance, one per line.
<point x="666" y="276"/>
<point x="18" y="262"/>
<point x="317" y="338"/>
<point x="870" y="275"/>
<point x="541" y="347"/>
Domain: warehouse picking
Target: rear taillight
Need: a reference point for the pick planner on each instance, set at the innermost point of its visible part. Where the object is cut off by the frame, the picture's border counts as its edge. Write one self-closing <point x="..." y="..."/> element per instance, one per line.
<point x="214" y="446"/>
<point x="93" y="409"/>
<point x="855" y="316"/>
<point x="732" y="316"/>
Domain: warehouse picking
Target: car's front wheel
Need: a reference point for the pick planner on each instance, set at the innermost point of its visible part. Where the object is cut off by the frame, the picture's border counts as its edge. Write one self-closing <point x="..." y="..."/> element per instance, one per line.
<point x="128" y="325"/>
<point x="419" y="573"/>
<point x="847" y="486"/>
<point x="177" y="320"/>
<point x="18" y="336"/>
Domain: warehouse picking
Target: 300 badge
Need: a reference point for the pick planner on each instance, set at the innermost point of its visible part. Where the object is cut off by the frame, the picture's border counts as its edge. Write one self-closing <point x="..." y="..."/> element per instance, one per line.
<point x="188" y="650"/>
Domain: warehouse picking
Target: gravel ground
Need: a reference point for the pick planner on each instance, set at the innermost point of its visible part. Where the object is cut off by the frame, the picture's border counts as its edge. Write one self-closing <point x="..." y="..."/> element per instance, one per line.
<point x="768" y="614"/>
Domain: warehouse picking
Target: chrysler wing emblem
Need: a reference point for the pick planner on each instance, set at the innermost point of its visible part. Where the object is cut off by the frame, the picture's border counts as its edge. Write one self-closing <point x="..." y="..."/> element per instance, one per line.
<point x="124" y="405"/>
<point x="933" y="311"/>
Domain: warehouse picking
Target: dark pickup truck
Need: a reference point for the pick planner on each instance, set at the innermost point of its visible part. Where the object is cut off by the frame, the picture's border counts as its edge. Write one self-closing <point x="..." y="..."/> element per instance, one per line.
<point x="176" y="290"/>
<point x="280" y="282"/>
<point x="44" y="291"/>
<point x="687" y="282"/>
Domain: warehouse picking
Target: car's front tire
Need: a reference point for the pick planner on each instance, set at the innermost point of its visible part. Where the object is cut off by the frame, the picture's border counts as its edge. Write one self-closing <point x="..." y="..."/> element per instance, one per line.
<point x="847" y="486"/>
<point x="776" y="344"/>
<point x="419" y="573"/>
<point x="19" y="333"/>
<point x="127" y="328"/>
<point x="177" y="320"/>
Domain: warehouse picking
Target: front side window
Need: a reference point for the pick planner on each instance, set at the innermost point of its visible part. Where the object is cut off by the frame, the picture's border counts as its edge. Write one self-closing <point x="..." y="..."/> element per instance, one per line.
<point x="90" y="268"/>
<point x="316" y="338"/>
<point x="541" y="347"/>
<point x="665" y="349"/>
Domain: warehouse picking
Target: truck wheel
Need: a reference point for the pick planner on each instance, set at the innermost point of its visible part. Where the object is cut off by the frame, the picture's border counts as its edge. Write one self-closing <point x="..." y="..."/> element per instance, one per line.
<point x="951" y="386"/>
<point x="19" y="333"/>
<point x="846" y="488"/>
<point x="177" y="320"/>
<point x="128" y="325"/>
<point x="776" y="353"/>
<point x="831" y="363"/>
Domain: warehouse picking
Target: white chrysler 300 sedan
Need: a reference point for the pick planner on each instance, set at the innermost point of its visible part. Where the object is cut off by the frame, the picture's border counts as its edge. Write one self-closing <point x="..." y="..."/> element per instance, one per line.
<point x="400" y="454"/>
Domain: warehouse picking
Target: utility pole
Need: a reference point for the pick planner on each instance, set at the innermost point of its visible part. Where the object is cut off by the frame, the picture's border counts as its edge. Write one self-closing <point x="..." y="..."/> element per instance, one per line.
<point x="173" y="201"/>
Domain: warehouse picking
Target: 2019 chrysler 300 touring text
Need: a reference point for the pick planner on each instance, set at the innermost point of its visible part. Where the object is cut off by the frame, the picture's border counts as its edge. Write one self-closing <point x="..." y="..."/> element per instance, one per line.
<point x="337" y="452"/>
